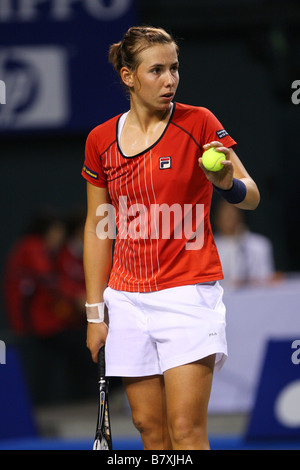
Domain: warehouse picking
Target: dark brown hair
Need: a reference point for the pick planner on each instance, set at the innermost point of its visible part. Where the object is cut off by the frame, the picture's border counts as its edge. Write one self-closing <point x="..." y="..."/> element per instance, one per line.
<point x="138" y="38"/>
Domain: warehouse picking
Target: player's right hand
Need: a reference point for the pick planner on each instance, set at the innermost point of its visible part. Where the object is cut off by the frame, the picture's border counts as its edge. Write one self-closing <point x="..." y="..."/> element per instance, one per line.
<point x="96" y="337"/>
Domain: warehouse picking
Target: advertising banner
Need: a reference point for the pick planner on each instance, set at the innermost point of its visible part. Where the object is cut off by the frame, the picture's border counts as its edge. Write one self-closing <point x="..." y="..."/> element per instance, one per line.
<point x="54" y="70"/>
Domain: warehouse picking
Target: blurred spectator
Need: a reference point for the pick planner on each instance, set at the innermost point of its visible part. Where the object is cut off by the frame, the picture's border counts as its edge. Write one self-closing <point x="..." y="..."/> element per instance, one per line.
<point x="31" y="278"/>
<point x="43" y="310"/>
<point x="247" y="258"/>
<point x="70" y="266"/>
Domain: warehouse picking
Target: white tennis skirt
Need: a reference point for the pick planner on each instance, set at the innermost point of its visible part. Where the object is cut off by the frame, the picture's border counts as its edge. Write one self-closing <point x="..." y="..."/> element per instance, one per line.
<point x="152" y="332"/>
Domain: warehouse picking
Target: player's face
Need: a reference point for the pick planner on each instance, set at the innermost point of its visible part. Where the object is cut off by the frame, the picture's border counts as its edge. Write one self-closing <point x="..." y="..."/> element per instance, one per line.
<point x="156" y="79"/>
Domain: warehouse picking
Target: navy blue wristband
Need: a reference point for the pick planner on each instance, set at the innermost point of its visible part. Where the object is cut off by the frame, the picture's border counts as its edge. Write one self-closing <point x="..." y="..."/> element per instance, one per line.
<point x="235" y="194"/>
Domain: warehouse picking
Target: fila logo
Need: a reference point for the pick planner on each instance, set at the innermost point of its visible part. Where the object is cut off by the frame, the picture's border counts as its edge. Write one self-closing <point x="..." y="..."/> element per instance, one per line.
<point x="164" y="163"/>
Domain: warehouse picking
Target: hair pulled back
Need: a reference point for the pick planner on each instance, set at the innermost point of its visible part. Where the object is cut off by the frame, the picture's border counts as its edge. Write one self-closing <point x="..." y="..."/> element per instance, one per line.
<point x="125" y="53"/>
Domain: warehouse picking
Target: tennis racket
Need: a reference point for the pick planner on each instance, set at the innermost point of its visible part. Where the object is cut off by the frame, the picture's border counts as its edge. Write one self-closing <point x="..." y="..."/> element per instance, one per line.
<point x="103" y="432"/>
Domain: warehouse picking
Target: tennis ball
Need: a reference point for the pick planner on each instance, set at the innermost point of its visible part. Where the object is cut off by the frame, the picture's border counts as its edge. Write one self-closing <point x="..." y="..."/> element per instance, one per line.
<point x="212" y="159"/>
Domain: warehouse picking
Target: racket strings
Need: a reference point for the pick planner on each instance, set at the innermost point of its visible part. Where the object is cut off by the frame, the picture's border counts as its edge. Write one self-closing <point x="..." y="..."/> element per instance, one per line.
<point x="101" y="444"/>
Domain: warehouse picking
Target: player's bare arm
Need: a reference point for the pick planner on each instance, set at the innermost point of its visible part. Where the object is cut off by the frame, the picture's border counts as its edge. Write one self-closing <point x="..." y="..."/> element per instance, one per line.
<point x="97" y="259"/>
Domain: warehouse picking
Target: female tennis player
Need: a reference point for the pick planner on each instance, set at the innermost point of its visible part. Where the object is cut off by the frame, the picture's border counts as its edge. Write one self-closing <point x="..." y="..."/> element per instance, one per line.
<point x="166" y="330"/>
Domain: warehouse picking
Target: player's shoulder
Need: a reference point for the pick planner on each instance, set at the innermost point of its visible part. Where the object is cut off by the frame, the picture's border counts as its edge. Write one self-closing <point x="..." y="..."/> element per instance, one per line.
<point x="190" y="112"/>
<point x="106" y="126"/>
<point x="105" y="133"/>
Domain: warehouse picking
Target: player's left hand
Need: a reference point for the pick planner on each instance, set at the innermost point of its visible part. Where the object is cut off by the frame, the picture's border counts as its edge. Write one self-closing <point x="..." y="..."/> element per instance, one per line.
<point x="223" y="179"/>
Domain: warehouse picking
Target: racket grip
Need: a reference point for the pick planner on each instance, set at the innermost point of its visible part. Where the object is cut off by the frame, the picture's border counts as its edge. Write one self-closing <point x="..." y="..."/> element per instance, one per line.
<point x="101" y="362"/>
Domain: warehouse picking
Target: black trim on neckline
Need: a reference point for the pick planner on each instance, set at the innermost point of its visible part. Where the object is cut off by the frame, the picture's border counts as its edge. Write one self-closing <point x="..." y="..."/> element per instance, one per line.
<point x="153" y="145"/>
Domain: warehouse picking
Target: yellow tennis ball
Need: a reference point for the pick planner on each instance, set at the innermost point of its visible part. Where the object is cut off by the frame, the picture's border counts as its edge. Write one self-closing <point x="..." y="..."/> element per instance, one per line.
<point x="212" y="159"/>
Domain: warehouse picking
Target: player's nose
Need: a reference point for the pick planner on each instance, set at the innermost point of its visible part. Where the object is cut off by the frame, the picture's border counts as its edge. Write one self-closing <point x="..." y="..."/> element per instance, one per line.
<point x="169" y="79"/>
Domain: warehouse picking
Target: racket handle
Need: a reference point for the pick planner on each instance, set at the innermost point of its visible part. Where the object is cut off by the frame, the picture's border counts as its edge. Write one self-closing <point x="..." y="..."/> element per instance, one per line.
<point x="101" y="362"/>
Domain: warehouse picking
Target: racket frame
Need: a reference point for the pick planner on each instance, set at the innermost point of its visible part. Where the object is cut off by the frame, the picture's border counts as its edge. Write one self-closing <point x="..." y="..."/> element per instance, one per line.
<point x="103" y="440"/>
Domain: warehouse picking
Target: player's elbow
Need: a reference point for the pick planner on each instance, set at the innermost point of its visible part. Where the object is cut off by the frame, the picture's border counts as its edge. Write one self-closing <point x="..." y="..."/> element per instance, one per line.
<point x="252" y="198"/>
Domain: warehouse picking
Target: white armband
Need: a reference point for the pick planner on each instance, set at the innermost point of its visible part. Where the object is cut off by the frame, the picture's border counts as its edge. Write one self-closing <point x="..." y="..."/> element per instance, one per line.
<point x="95" y="312"/>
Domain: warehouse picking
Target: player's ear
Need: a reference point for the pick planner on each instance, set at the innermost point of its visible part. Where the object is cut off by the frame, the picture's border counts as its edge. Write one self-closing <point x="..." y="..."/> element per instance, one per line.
<point x="126" y="77"/>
